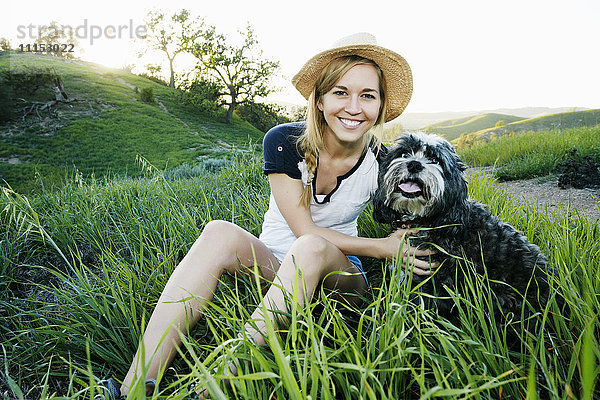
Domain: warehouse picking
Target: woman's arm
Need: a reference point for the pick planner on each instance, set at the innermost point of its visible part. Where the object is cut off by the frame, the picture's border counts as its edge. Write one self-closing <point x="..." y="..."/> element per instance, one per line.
<point x="287" y="192"/>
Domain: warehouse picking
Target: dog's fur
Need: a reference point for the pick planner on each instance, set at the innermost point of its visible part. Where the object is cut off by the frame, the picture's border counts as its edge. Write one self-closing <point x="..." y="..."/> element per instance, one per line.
<point x="422" y="185"/>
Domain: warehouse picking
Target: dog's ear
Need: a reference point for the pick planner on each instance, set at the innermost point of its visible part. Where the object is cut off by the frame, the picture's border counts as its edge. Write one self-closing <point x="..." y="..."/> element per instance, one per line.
<point x="381" y="212"/>
<point x="450" y="156"/>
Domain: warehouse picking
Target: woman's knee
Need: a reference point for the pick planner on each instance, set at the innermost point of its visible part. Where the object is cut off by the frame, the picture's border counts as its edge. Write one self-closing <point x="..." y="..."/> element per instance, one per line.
<point x="311" y="254"/>
<point x="217" y="229"/>
<point x="217" y="243"/>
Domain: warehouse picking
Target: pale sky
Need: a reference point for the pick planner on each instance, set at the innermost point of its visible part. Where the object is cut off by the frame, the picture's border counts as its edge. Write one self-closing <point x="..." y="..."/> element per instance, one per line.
<point x="465" y="54"/>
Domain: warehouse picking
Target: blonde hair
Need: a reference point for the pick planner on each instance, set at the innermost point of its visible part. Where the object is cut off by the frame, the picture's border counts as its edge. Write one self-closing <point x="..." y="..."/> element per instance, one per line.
<point x="311" y="140"/>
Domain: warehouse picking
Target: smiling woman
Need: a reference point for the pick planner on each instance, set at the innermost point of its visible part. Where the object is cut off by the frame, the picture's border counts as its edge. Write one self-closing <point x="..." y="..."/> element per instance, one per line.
<point x="352" y="106"/>
<point x="346" y="111"/>
<point x="322" y="175"/>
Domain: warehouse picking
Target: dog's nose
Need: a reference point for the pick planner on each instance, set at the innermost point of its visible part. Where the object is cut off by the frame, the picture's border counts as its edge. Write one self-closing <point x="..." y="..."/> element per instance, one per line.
<point x="414" y="167"/>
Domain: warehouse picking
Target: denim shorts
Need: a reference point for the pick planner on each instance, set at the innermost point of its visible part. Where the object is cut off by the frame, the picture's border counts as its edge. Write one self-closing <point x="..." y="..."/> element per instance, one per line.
<point x="354" y="260"/>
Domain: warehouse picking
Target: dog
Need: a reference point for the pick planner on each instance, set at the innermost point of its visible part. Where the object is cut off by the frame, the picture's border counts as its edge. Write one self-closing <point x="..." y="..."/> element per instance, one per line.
<point x="422" y="184"/>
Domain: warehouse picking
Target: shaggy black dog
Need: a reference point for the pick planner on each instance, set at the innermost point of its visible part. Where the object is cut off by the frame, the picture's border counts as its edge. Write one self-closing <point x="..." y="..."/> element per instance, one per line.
<point x="421" y="185"/>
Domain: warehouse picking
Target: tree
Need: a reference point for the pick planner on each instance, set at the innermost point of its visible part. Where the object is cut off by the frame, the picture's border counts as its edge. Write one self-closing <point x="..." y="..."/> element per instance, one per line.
<point x="5" y="44"/>
<point x="52" y="38"/>
<point x="242" y="71"/>
<point x="154" y="70"/>
<point x="391" y="132"/>
<point x="171" y="35"/>
<point x="201" y="94"/>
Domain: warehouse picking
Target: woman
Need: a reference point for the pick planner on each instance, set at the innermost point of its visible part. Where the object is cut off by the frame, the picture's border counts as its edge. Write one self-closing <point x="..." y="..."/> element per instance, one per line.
<point x="322" y="175"/>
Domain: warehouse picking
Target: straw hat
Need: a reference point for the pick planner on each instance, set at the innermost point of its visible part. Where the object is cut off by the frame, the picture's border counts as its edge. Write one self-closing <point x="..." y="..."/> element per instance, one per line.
<point x="395" y="69"/>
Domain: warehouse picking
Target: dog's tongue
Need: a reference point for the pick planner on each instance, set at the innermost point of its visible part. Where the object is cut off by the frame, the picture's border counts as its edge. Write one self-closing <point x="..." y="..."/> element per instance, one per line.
<point x="410" y="187"/>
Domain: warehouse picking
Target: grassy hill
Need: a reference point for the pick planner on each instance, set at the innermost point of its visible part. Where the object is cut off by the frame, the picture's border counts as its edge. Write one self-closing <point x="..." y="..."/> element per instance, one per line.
<point x="106" y="128"/>
<point x="553" y="122"/>
<point x="453" y="128"/>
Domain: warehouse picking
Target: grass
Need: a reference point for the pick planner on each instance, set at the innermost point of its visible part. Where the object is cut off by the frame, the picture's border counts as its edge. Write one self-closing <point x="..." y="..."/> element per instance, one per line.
<point x="104" y="138"/>
<point x="82" y="268"/>
<point x="533" y="154"/>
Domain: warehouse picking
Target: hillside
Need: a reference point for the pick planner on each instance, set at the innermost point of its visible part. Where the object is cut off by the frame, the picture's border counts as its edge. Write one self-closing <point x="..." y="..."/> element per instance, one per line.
<point x="453" y="128"/>
<point x="417" y="121"/>
<point x="551" y="122"/>
<point x="103" y="127"/>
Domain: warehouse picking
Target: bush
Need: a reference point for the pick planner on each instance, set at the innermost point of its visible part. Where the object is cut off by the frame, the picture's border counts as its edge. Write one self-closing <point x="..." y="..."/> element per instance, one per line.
<point x="147" y="95"/>
<point x="29" y="83"/>
<point x="187" y="171"/>
<point x="26" y="81"/>
<point x="201" y="94"/>
<point x="262" y="116"/>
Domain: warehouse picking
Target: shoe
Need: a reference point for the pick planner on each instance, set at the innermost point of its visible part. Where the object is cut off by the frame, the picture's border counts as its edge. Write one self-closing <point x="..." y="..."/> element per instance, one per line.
<point x="151" y="386"/>
<point x="108" y="390"/>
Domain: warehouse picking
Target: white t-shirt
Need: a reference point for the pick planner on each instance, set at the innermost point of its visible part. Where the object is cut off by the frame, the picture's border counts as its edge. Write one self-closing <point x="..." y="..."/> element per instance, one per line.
<point x="337" y="210"/>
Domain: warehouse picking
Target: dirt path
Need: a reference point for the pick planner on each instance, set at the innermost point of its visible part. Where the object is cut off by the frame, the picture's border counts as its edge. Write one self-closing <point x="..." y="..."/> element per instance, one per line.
<point x="548" y="196"/>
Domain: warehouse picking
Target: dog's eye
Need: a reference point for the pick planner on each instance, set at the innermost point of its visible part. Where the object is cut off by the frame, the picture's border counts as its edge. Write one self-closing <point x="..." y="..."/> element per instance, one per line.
<point x="434" y="161"/>
<point x="405" y="155"/>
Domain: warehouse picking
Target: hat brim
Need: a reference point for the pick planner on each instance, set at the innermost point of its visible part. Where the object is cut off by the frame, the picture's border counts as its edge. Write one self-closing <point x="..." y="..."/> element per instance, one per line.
<point x="397" y="73"/>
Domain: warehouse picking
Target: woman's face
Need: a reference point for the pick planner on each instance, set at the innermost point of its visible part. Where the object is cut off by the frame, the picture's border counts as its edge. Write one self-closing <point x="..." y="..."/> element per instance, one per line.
<point x="352" y="106"/>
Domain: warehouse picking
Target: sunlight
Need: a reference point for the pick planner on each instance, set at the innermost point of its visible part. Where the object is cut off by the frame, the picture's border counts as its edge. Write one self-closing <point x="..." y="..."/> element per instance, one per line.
<point x="113" y="54"/>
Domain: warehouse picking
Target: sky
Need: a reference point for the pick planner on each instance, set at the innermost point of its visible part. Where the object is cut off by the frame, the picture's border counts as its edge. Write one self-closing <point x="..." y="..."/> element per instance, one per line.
<point x="464" y="54"/>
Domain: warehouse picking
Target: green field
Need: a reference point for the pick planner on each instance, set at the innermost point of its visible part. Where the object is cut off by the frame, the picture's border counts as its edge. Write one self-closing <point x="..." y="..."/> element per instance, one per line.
<point x="104" y="132"/>
<point x="533" y="154"/>
<point x="83" y="266"/>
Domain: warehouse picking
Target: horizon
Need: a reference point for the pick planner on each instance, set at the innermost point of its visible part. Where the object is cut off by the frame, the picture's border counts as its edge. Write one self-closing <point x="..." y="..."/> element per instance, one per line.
<point x="464" y="56"/>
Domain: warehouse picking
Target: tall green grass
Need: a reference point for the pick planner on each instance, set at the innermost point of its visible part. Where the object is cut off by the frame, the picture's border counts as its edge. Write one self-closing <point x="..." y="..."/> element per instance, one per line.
<point x="533" y="154"/>
<point x="83" y="267"/>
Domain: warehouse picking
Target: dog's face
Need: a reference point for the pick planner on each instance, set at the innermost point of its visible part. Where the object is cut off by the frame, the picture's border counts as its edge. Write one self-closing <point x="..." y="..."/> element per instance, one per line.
<point x="420" y="177"/>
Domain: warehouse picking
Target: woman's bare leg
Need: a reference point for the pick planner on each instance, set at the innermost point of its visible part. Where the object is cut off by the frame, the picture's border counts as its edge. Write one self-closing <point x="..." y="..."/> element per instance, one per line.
<point x="310" y="261"/>
<point x="221" y="247"/>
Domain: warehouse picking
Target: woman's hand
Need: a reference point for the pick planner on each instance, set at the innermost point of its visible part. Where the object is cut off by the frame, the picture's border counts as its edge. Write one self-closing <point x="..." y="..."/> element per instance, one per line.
<point x="399" y="240"/>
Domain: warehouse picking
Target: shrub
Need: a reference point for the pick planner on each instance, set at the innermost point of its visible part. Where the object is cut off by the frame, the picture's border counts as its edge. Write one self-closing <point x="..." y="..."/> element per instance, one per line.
<point x="26" y="81"/>
<point x="29" y="83"/>
<point x="262" y="116"/>
<point x="147" y="95"/>
<point x="187" y="171"/>
<point x="201" y="94"/>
